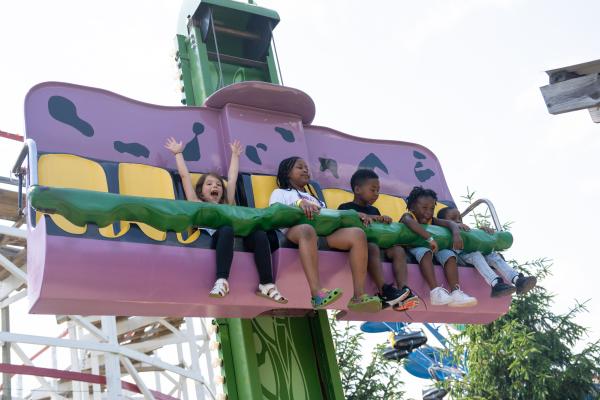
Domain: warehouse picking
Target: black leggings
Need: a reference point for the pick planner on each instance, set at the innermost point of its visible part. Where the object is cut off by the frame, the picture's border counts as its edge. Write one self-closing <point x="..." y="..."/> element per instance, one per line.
<point x="258" y="242"/>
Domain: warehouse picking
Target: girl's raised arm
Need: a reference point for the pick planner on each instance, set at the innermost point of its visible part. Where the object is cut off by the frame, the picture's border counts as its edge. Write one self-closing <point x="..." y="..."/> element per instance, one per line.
<point x="177" y="149"/>
<point x="234" y="167"/>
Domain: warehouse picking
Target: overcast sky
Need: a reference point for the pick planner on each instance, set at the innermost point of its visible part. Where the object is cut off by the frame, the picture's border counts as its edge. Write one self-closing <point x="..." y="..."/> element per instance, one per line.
<point x="460" y="77"/>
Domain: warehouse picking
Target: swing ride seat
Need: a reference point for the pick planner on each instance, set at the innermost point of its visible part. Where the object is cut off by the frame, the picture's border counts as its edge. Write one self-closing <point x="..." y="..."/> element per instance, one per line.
<point x="108" y="149"/>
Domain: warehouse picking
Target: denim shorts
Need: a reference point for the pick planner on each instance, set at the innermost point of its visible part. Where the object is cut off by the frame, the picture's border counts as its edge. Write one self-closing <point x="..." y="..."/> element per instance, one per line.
<point x="442" y="256"/>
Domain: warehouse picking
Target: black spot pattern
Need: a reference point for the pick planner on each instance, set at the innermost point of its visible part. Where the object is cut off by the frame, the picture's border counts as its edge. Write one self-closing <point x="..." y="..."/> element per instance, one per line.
<point x="252" y="155"/>
<point x="371" y="161"/>
<point x="286" y="134"/>
<point x="421" y="174"/>
<point x="64" y="110"/>
<point x="135" y="149"/>
<point x="329" y="164"/>
<point x="419" y="155"/>
<point x="191" y="151"/>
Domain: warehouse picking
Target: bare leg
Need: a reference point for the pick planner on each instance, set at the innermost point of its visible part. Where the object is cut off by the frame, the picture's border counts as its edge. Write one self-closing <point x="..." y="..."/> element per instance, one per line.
<point x="374" y="266"/>
<point x="426" y="266"/>
<point x="451" y="272"/>
<point x="354" y="240"/>
<point x="306" y="238"/>
<point x="398" y="257"/>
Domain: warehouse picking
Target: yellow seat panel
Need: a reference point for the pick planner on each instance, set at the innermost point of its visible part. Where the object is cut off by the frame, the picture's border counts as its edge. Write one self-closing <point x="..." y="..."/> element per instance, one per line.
<point x="72" y="172"/>
<point x="335" y="197"/>
<point x="262" y="187"/>
<point x="146" y="181"/>
<point x="391" y="206"/>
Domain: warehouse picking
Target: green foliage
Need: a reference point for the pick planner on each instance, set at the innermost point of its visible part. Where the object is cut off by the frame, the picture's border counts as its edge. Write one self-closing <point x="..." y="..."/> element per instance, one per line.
<point x="529" y="353"/>
<point x="376" y="380"/>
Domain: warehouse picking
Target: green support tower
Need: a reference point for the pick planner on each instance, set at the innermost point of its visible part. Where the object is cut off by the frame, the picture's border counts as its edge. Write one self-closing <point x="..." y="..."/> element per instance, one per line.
<point x="221" y="42"/>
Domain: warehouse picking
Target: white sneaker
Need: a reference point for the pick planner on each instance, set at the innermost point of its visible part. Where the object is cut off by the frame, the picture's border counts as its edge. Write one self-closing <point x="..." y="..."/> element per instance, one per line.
<point x="458" y="298"/>
<point x="439" y="296"/>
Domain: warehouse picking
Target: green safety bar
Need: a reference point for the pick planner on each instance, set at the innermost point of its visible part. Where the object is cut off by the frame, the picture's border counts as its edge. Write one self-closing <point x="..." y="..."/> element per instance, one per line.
<point x="81" y="207"/>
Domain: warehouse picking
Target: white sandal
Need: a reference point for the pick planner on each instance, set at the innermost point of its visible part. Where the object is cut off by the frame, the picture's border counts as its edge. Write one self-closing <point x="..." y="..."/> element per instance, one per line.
<point x="269" y="291"/>
<point x="220" y="289"/>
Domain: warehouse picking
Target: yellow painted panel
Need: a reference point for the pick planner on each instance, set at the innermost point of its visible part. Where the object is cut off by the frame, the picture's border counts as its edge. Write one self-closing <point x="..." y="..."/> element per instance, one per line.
<point x="335" y="197"/>
<point x="262" y="187"/>
<point x="146" y="181"/>
<point x="391" y="206"/>
<point x="71" y="172"/>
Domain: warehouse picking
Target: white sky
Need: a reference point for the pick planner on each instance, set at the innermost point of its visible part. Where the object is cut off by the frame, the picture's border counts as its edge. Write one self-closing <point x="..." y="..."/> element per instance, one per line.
<point x="460" y="77"/>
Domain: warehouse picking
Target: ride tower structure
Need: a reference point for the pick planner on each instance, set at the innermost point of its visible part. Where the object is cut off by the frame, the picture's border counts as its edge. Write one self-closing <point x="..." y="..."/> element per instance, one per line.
<point x="219" y="43"/>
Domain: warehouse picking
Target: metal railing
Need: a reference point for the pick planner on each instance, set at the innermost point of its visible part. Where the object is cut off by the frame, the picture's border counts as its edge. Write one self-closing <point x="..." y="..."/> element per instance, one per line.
<point x="28" y="151"/>
<point x="491" y="208"/>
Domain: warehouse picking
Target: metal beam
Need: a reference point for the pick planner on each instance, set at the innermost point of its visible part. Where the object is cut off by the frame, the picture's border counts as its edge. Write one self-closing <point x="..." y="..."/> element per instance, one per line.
<point x="13" y="269"/>
<point x="102" y="347"/>
<point x="112" y="370"/>
<point x="27" y="361"/>
<point x="7" y="390"/>
<point x="136" y="377"/>
<point x="572" y="94"/>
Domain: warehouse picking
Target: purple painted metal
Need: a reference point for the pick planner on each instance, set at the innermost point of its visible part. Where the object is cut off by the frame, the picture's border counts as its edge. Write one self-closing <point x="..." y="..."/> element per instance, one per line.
<point x="132" y="121"/>
<point x="114" y="277"/>
<point x="117" y="118"/>
<point x="398" y="157"/>
<point x="266" y="96"/>
<point x="102" y="277"/>
<point x="252" y="126"/>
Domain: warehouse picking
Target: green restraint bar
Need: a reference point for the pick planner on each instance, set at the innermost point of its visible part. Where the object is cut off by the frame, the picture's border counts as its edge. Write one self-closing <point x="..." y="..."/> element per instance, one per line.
<point x="81" y="207"/>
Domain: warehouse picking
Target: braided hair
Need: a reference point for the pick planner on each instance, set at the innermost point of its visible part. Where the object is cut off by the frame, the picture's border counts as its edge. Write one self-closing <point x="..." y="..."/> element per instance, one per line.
<point x="283" y="175"/>
<point x="416" y="193"/>
<point x="283" y="172"/>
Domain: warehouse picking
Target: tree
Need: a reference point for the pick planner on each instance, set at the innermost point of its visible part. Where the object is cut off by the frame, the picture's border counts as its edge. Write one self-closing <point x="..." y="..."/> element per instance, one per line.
<point x="529" y="352"/>
<point x="377" y="380"/>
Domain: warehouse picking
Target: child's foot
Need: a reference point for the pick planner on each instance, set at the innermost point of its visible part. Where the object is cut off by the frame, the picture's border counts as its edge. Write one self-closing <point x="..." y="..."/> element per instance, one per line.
<point x="502" y="289"/>
<point x="411" y="301"/>
<point x="390" y="296"/>
<point x="325" y="297"/>
<point x="365" y="303"/>
<point x="461" y="299"/>
<point x="439" y="296"/>
<point x="270" y="291"/>
<point x="525" y="283"/>
<point x="220" y="289"/>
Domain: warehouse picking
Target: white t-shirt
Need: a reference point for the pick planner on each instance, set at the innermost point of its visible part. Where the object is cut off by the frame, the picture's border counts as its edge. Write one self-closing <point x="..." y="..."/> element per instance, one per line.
<point x="289" y="197"/>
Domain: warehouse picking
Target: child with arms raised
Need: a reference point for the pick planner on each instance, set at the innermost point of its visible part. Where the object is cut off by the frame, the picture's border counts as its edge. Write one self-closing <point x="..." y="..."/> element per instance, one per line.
<point x="365" y="186"/>
<point x="522" y="284"/>
<point x="421" y="205"/>
<point x="292" y="178"/>
<point x="211" y="188"/>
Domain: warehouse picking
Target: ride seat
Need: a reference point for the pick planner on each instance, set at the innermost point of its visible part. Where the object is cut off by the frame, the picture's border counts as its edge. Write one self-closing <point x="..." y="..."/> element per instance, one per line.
<point x="148" y="181"/>
<point x="258" y="189"/>
<point x="388" y="205"/>
<point x="73" y="172"/>
<point x="335" y="197"/>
